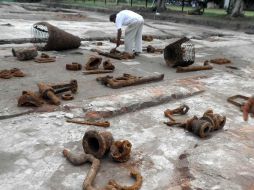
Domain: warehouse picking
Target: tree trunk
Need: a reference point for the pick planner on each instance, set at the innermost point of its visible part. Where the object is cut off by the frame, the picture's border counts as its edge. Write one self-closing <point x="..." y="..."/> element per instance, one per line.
<point x="161" y="5"/>
<point x="236" y="8"/>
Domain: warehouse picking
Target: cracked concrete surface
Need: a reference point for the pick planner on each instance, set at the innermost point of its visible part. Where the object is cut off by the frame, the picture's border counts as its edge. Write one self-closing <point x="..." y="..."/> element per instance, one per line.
<point x="169" y="158"/>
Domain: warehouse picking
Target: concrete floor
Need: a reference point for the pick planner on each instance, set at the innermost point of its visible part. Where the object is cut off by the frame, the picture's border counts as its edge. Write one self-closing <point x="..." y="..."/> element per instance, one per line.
<point x="31" y="145"/>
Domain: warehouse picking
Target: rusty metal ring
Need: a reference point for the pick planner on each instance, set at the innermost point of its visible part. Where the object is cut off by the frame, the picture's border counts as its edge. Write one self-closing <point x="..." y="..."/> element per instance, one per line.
<point x="67" y="96"/>
<point x="184" y="109"/>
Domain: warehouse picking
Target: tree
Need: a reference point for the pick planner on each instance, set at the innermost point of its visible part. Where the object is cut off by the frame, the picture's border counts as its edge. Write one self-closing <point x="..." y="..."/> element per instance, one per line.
<point x="161" y="5"/>
<point x="236" y="8"/>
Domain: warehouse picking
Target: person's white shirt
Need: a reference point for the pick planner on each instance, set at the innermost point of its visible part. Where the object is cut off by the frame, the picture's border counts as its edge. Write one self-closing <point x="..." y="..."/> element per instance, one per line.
<point x="126" y="17"/>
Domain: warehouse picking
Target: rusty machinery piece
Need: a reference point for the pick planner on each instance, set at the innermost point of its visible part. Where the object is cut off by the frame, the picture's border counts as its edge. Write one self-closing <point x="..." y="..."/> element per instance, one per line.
<point x="48" y="92"/>
<point x="81" y="159"/>
<point x="115" y="55"/>
<point x="114" y="41"/>
<point x="29" y="98"/>
<point x="23" y="54"/>
<point x="182" y="110"/>
<point x="14" y="72"/>
<point x="180" y="53"/>
<point x="93" y="63"/>
<point x="203" y="126"/>
<point x="48" y="37"/>
<point x="220" y="61"/>
<point x="194" y="68"/>
<point x="113" y="185"/>
<point x="233" y="99"/>
<point x="147" y="38"/>
<point x="97" y="71"/>
<point x="64" y="87"/>
<point x="97" y="143"/>
<point x="107" y="65"/>
<point x="95" y="123"/>
<point x="73" y="66"/>
<point x="120" y="150"/>
<point x="128" y="80"/>
<point x="151" y="49"/>
<point x="67" y="96"/>
<point x="45" y="58"/>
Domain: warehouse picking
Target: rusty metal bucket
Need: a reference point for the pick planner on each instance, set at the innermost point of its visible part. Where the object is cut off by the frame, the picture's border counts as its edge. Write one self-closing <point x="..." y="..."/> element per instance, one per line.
<point x="180" y="53"/>
<point x="48" y="37"/>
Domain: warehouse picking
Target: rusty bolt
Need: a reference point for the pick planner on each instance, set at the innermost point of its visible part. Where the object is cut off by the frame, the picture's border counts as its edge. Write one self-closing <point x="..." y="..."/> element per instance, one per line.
<point x="120" y="150"/>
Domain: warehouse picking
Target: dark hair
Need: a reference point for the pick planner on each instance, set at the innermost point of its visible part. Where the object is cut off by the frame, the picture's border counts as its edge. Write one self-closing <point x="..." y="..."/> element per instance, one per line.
<point x="112" y="17"/>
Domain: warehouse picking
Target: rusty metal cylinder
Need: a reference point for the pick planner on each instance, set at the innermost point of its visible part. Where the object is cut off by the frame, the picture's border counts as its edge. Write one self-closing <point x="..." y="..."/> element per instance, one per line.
<point x="201" y="127"/>
<point x="48" y="37"/>
<point x="97" y="143"/>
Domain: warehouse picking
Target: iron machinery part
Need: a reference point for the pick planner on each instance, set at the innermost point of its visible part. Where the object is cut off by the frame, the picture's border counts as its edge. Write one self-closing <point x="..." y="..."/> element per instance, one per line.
<point x="97" y="71"/>
<point x="73" y="66"/>
<point x="128" y="80"/>
<point x="147" y="38"/>
<point x="29" y="98"/>
<point x="247" y="108"/>
<point x="24" y="54"/>
<point x="201" y="127"/>
<point x="72" y="86"/>
<point x="95" y="123"/>
<point x="5" y="74"/>
<point x="151" y="49"/>
<point x="67" y="96"/>
<point x="16" y="72"/>
<point x="193" y="68"/>
<point x="180" y="53"/>
<point x="113" y="185"/>
<point x="217" y="121"/>
<point x="115" y="55"/>
<point x="107" y="65"/>
<point x="220" y="61"/>
<point x="97" y="143"/>
<point x="48" y="92"/>
<point x="93" y="63"/>
<point x="48" y="37"/>
<point x="80" y="159"/>
<point x="233" y="101"/>
<point x="120" y="150"/>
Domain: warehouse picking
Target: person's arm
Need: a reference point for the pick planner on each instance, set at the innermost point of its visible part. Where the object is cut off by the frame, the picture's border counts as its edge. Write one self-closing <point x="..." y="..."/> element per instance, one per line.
<point x="119" y="34"/>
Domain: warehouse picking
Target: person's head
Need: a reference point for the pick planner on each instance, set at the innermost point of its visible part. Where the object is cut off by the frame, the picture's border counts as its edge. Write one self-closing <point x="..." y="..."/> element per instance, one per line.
<point x="112" y="18"/>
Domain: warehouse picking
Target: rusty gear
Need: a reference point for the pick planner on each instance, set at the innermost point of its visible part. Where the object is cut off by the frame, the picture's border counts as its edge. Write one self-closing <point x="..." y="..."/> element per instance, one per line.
<point x="97" y="143"/>
<point x="120" y="150"/>
<point x="93" y="63"/>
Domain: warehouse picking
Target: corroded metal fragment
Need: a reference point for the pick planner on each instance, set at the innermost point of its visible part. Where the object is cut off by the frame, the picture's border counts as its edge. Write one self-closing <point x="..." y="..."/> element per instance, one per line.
<point x="93" y="63"/>
<point x="120" y="150"/>
<point x="73" y="66"/>
<point x="29" y="98"/>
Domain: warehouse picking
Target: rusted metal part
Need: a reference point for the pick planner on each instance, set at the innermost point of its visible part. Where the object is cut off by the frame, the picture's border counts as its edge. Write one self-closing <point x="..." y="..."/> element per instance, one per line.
<point x="203" y="126"/>
<point x="81" y="159"/>
<point x="73" y="66"/>
<point x="248" y="108"/>
<point x="115" y="55"/>
<point x="193" y="68"/>
<point x="151" y="49"/>
<point x="128" y="80"/>
<point x="48" y="37"/>
<point x="67" y="96"/>
<point x="95" y="123"/>
<point x="97" y="143"/>
<point x="99" y="43"/>
<point x="47" y="92"/>
<point x="29" y="98"/>
<point x="182" y="110"/>
<point x="45" y="58"/>
<point x="120" y="150"/>
<point x="147" y="38"/>
<point x="179" y="53"/>
<point x="112" y="184"/>
<point x="232" y="67"/>
<point x="23" y="54"/>
<point x="220" y="61"/>
<point x="17" y="72"/>
<point x="107" y="65"/>
<point x="59" y="88"/>
<point x="114" y="41"/>
<point x="93" y="63"/>
<point x="14" y="72"/>
<point x="97" y="71"/>
<point x="233" y="99"/>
